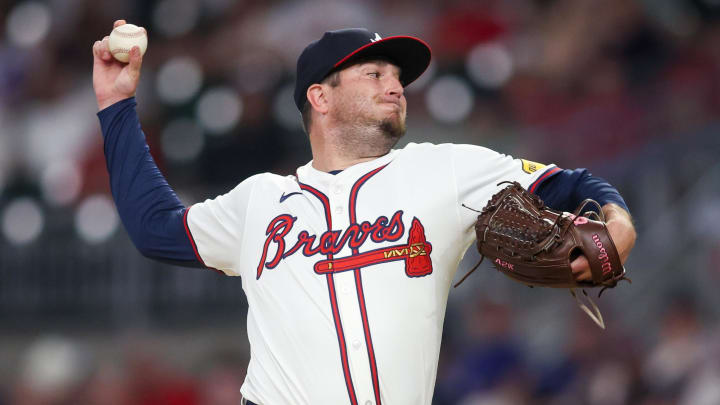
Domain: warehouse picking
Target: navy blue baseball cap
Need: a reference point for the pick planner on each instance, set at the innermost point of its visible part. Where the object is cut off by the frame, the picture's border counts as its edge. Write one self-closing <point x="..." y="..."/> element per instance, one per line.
<point x="337" y="48"/>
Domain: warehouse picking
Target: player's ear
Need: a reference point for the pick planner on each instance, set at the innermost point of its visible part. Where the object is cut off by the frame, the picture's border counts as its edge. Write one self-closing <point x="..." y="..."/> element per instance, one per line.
<point x="317" y="97"/>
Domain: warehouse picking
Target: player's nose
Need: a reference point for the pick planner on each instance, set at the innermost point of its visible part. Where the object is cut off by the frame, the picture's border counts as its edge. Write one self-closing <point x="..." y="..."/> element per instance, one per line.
<point x="394" y="87"/>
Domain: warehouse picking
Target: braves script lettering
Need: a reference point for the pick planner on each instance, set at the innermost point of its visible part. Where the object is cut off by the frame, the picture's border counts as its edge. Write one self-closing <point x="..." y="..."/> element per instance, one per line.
<point x="329" y="242"/>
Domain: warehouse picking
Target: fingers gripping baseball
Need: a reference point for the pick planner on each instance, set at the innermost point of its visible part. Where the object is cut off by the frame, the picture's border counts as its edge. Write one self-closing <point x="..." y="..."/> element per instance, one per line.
<point x="114" y="80"/>
<point x="135" y="62"/>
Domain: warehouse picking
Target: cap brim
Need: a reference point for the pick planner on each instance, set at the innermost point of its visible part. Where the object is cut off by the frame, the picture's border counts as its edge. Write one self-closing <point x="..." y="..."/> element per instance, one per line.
<point x="412" y="55"/>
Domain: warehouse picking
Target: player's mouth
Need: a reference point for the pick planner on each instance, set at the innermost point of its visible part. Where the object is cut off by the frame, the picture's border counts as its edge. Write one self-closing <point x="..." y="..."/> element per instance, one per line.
<point x="391" y="100"/>
<point x="395" y="105"/>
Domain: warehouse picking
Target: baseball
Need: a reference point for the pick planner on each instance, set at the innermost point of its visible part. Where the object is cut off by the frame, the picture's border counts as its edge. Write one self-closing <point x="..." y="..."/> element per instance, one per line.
<point x="123" y="38"/>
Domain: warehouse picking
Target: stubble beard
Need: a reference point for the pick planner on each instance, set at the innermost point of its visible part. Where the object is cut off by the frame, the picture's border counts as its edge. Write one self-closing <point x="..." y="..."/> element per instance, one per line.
<point x="365" y="136"/>
<point x="393" y="129"/>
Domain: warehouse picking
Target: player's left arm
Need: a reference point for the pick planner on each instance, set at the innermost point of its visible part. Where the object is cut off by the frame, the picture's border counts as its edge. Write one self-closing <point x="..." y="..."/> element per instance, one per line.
<point x="566" y="189"/>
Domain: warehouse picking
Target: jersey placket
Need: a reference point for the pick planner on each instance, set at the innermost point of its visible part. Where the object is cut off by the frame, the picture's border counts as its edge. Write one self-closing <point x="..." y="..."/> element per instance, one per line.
<point x="348" y="302"/>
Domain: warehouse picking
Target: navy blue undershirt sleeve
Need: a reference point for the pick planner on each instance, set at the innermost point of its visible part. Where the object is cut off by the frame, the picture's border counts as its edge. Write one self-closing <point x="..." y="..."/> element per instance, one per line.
<point x="148" y="207"/>
<point x="566" y="189"/>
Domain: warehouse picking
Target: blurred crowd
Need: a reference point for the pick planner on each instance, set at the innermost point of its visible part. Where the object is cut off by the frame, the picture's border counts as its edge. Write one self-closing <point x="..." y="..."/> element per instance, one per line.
<point x="484" y="362"/>
<point x="628" y="89"/>
<point x="489" y="363"/>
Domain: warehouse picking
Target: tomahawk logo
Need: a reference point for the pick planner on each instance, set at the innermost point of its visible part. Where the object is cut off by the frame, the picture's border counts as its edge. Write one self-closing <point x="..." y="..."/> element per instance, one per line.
<point x="415" y="252"/>
<point x="377" y="38"/>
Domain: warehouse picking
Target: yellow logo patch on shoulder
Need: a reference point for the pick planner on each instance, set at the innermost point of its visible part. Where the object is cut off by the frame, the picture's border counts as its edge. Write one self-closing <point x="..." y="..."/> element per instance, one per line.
<point x="531" y="167"/>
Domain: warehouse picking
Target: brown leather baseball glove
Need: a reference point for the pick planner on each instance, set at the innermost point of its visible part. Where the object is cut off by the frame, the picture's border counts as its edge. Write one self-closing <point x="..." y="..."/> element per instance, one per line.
<point x="533" y="244"/>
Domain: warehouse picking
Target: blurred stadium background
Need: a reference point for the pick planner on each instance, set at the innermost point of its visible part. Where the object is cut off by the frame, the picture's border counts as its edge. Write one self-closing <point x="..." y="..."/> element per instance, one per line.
<point x="628" y="89"/>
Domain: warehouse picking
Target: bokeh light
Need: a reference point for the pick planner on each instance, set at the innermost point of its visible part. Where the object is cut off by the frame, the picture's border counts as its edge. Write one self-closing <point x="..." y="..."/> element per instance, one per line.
<point x="182" y="140"/>
<point x="61" y="182"/>
<point x="257" y="70"/>
<point x="96" y="219"/>
<point x="489" y="65"/>
<point x="22" y="221"/>
<point x="179" y="79"/>
<point x="28" y="23"/>
<point x="449" y="99"/>
<point x="173" y="18"/>
<point x="51" y="364"/>
<point x="219" y="109"/>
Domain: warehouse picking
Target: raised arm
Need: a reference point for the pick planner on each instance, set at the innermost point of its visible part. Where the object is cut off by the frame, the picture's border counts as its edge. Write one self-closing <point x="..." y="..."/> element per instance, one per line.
<point x="149" y="209"/>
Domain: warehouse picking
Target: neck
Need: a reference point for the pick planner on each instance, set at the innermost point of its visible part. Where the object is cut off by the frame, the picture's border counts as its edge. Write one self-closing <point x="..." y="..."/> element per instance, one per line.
<point x="341" y="148"/>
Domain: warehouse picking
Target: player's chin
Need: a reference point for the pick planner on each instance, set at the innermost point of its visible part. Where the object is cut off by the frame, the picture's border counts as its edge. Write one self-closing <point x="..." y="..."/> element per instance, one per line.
<point x="393" y="127"/>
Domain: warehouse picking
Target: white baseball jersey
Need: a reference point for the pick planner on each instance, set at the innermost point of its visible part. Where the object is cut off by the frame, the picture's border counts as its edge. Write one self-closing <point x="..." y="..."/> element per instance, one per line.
<point x="347" y="275"/>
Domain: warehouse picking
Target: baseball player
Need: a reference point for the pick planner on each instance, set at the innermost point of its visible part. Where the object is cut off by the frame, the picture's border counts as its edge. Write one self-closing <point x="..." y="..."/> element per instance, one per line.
<point x="347" y="264"/>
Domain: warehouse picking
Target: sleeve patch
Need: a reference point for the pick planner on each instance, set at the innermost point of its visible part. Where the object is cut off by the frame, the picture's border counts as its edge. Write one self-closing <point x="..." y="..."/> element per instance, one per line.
<point x="531" y="167"/>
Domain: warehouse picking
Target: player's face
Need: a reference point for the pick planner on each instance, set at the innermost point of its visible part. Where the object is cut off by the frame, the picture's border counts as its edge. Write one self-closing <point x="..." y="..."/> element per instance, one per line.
<point x="370" y="94"/>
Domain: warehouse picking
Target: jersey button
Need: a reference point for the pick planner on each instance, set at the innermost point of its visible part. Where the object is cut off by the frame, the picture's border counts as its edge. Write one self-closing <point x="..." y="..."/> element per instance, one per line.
<point x="368" y="402"/>
<point x="356" y="344"/>
<point x="339" y="210"/>
<point x="337" y="189"/>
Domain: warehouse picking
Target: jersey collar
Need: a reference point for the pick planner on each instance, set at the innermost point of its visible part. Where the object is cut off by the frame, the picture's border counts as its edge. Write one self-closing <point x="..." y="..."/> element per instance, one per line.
<point x="309" y="175"/>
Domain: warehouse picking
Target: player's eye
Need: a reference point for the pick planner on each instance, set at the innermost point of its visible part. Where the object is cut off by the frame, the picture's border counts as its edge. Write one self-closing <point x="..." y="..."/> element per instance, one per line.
<point x="374" y="74"/>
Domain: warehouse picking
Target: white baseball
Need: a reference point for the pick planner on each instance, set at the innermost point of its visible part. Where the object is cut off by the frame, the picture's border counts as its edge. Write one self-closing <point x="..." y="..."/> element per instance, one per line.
<point x="123" y="38"/>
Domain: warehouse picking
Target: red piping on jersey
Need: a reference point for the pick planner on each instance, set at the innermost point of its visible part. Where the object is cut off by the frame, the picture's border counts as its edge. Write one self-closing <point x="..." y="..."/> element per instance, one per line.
<point x="542" y="178"/>
<point x="190" y="237"/>
<point x="333" y="299"/>
<point x="192" y="241"/>
<point x="359" y="286"/>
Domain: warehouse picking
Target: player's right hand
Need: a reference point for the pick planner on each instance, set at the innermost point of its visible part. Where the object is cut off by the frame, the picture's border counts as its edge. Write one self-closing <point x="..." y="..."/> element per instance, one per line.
<point x="113" y="80"/>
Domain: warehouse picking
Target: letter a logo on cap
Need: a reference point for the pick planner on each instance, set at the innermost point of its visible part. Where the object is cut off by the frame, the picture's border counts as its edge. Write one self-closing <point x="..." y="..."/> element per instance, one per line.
<point x="377" y="38"/>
